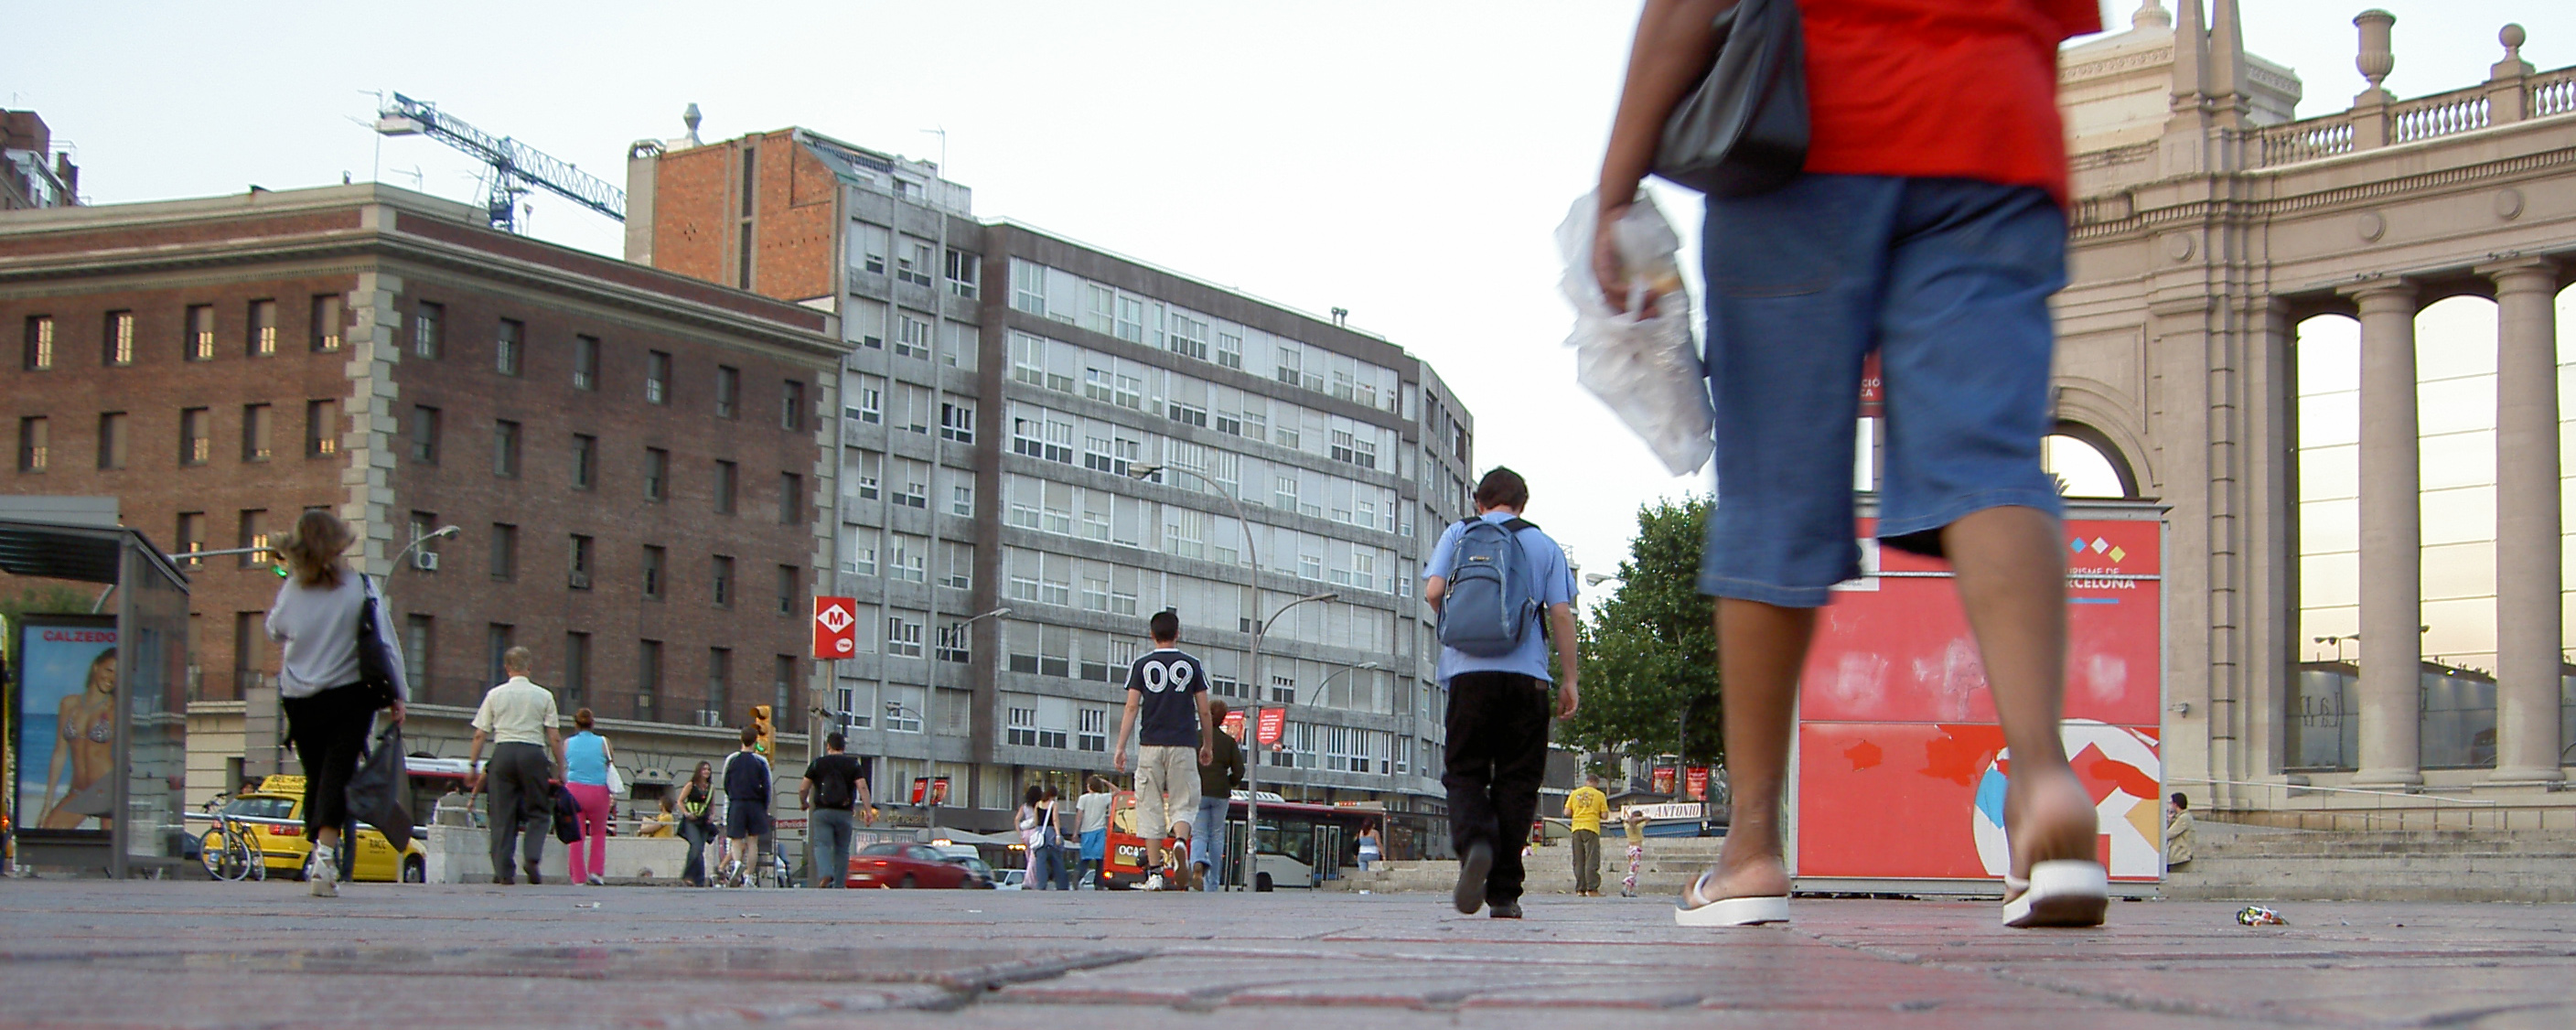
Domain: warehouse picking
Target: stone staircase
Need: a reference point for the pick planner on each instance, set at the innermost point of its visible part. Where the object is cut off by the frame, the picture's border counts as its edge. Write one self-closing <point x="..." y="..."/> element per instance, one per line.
<point x="1669" y="864"/>
<point x="2254" y="863"/>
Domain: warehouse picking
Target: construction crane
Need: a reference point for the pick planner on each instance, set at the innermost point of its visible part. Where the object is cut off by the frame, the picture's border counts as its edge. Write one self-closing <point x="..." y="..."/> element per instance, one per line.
<point x="515" y="165"/>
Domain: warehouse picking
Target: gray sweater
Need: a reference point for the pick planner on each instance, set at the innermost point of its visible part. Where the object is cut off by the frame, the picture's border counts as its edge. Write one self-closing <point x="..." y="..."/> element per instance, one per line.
<point x="318" y="627"/>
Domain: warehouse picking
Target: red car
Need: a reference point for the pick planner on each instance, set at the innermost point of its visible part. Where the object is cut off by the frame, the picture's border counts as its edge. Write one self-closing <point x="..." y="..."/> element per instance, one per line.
<point x="905" y="866"/>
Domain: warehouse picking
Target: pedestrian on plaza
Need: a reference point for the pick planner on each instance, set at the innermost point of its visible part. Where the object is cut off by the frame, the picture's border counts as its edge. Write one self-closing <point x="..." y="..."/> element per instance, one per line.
<point x="1068" y="829"/>
<point x="1218" y="780"/>
<point x="663" y="823"/>
<point x="1583" y="811"/>
<point x="329" y="712"/>
<point x="2178" y="843"/>
<point x="746" y="789"/>
<point x="1093" y="809"/>
<point x="1370" y="848"/>
<point x="1636" y="820"/>
<point x="586" y="759"/>
<point x="697" y="822"/>
<point x="1168" y="689"/>
<point x="833" y="786"/>
<point x="520" y="720"/>
<point x="1036" y="820"/>
<point x="1503" y="589"/>
<point x="1928" y="227"/>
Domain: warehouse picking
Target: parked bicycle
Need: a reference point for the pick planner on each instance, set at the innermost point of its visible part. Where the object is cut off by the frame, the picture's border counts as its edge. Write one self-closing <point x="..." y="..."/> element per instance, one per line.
<point x="231" y="850"/>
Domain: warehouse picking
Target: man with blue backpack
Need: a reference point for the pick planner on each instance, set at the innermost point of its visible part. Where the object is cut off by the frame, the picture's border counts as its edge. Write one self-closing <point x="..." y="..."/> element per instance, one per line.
<point x="1504" y="592"/>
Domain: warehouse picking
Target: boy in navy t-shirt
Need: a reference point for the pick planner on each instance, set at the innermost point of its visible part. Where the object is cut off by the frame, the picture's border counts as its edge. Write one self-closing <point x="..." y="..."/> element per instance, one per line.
<point x="1168" y="689"/>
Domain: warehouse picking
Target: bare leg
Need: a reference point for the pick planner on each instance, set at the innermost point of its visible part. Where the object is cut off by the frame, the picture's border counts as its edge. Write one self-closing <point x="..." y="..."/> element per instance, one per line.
<point x="1759" y="650"/>
<point x="2012" y="581"/>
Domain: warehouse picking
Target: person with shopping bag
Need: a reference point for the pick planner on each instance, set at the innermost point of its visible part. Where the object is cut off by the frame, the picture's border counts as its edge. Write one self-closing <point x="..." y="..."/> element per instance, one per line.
<point x="589" y="766"/>
<point x="325" y="616"/>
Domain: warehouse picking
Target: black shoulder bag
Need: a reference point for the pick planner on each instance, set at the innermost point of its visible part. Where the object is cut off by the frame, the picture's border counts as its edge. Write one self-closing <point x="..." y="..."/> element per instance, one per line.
<point x="1744" y="130"/>
<point x="376" y="658"/>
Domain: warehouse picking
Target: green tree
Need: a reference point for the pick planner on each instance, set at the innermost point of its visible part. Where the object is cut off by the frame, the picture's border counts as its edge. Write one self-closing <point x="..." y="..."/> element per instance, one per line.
<point x="1649" y="653"/>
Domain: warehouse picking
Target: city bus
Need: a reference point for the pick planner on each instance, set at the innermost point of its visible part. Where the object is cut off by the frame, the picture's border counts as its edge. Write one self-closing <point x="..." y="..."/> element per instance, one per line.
<point x="1302" y="844"/>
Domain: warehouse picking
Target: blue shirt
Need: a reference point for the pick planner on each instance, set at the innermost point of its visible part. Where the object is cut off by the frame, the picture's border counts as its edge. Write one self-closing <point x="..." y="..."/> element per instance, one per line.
<point x="1553" y="582"/>
<point x="586" y="759"/>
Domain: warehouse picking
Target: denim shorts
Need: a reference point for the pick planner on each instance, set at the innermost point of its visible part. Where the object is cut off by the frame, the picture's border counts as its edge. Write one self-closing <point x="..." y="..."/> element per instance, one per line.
<point x="1948" y="281"/>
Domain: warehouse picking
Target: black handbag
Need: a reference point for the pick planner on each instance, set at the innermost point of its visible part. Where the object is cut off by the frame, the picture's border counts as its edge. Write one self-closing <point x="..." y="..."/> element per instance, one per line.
<point x="376" y="791"/>
<point x="378" y="662"/>
<point x="1744" y="130"/>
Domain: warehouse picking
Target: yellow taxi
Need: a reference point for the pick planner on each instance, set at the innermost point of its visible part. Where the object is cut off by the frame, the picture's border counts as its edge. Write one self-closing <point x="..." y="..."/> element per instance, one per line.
<point x="273" y="812"/>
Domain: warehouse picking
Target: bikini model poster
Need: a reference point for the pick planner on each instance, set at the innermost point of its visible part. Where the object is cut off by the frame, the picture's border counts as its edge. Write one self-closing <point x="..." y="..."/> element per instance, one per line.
<point x="66" y="722"/>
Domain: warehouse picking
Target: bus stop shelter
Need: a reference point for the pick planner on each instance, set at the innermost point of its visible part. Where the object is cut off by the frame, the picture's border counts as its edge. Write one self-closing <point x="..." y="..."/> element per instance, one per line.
<point x="97" y="725"/>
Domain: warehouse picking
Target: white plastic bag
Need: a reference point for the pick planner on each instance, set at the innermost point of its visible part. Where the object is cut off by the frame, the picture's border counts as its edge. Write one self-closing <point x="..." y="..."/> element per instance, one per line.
<point x="1647" y="369"/>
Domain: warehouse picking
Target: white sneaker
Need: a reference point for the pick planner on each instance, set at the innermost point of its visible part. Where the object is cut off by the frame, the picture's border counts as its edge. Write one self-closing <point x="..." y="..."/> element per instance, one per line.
<point x="325" y="877"/>
<point x="1154" y="882"/>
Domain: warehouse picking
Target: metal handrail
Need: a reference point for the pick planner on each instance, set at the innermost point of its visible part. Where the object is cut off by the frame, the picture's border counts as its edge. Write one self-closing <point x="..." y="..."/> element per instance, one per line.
<point x="2337" y="790"/>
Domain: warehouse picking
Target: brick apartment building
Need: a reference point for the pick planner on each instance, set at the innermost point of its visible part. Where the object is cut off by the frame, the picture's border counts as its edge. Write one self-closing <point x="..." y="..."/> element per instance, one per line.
<point x="998" y="382"/>
<point x="634" y="459"/>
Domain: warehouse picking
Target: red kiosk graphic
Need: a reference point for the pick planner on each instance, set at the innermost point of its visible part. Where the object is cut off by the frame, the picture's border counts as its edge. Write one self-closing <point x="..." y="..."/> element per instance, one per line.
<point x="1901" y="764"/>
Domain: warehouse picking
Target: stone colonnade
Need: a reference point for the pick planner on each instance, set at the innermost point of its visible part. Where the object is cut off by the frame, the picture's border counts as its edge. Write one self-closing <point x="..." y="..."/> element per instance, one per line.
<point x="2528" y="638"/>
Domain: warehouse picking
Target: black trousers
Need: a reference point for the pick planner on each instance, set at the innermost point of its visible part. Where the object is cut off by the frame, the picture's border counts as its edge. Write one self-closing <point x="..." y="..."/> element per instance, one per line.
<point x="329" y="731"/>
<point x="1496" y="758"/>
<point x="523" y="805"/>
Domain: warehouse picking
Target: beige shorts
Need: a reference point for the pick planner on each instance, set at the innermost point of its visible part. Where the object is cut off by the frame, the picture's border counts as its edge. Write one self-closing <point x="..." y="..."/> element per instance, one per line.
<point x="1167" y="790"/>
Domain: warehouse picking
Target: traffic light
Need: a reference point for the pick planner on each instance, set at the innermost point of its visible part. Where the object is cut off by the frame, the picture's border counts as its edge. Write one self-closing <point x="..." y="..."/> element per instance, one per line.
<point x="767" y="730"/>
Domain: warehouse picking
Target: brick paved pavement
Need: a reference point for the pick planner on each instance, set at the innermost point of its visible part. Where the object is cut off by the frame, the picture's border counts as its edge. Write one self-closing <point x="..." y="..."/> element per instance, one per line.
<point x="196" y="954"/>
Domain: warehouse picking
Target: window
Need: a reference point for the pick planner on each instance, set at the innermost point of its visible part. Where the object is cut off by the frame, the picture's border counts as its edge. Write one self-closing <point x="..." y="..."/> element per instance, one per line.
<point x="496" y="642"/>
<point x="957" y="565"/>
<point x="657" y="474"/>
<point x="654" y="562"/>
<point x="867" y="401"/>
<point x="964" y="271"/>
<point x="648" y="676"/>
<point x="1358" y="449"/>
<point x="321" y="428"/>
<point x="585" y="461"/>
<point x="1291" y="364"/>
<point x="1091" y="729"/>
<point x="1185" y="335"/>
<point x="1187" y="414"/>
<point x="912" y="264"/>
<point x="1023" y="729"/>
<point x="953" y="644"/>
<point x="196" y="436"/>
<point x="112" y="436"/>
<point x="505" y="448"/>
<point x="720" y="684"/>
<point x="40" y="343"/>
<point x="728" y="391"/>
<point x="191" y="536"/>
<point x="791" y="498"/>
<point x="1283" y="493"/>
<point x="428" y="330"/>
<point x="424" y="434"/>
<point x="329" y="316"/>
<point x="254" y="533"/>
<point x="1029" y="287"/>
<point x="657" y="377"/>
<point x="1229" y="349"/>
<point x="726" y="475"/>
<point x="868" y="245"/>
<point x="916" y="413"/>
<point x="912" y="337"/>
<point x="1283" y="689"/>
<point x="585" y="363"/>
<point x="903" y="636"/>
<point x="116" y="344"/>
<point x="199" y="343"/>
<point x="908" y="558"/>
<point x="418" y="634"/>
<point x="509" y="346"/>
<point x="865" y="472"/>
<point x="961" y="494"/>
<point x="255" y="432"/>
<point x="577" y="571"/>
<point x="576" y="668"/>
<point x="791" y="406"/>
<point x="1131" y="319"/>
<point x="504" y="563"/>
<point x="262" y="342"/>
<point x="860" y="548"/>
<point x="902" y="718"/>
<point x="35" y="443"/>
<point x="720" y="576"/>
<point x="911" y="483"/>
<point x="788" y="593"/>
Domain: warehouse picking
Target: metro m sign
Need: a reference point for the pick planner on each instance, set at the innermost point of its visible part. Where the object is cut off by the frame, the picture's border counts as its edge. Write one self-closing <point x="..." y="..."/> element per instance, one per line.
<point x="836" y="627"/>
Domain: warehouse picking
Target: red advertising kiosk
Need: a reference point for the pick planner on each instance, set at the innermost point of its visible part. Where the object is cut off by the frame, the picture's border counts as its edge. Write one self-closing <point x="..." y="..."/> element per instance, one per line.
<point x="1900" y="764"/>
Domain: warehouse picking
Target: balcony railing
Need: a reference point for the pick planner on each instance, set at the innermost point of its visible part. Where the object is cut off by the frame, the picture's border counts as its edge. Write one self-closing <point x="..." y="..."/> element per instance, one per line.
<point x="2542" y="95"/>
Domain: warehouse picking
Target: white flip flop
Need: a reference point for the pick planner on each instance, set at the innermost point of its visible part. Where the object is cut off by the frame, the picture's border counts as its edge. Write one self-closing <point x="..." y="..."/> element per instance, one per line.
<point x="1748" y="911"/>
<point x="2062" y="892"/>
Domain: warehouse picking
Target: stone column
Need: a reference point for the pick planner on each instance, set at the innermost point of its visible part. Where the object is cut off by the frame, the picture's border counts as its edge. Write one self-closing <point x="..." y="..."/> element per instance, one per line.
<point x="2527" y="523"/>
<point x="2391" y="537"/>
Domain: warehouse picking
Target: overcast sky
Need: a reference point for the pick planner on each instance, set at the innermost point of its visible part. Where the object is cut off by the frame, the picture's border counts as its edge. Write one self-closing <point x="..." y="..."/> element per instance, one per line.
<point x="1405" y="160"/>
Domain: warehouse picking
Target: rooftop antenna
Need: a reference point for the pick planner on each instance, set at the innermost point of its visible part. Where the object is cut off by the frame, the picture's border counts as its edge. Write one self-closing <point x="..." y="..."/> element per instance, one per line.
<point x="690" y="118"/>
